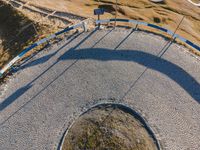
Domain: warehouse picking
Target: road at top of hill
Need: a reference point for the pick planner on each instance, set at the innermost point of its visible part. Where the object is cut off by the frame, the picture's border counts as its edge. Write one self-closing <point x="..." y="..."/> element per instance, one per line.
<point x="144" y="71"/>
<point x="167" y="14"/>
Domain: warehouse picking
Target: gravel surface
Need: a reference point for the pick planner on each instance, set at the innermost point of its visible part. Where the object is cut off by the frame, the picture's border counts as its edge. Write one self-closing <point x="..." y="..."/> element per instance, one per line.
<point x="52" y="89"/>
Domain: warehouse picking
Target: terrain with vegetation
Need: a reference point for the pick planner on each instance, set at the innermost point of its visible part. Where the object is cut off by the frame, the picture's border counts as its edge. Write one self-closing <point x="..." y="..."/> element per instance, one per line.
<point x="167" y="14"/>
<point x="14" y="37"/>
<point x="17" y="31"/>
<point x="11" y="35"/>
<point x="108" y="128"/>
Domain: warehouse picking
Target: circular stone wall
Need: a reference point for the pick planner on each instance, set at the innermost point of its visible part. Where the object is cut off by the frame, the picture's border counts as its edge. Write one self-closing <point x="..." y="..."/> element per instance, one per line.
<point x="109" y="126"/>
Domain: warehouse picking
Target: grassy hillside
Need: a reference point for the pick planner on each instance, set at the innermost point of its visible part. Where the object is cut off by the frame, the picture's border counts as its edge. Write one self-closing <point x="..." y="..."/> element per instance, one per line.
<point x="167" y="14"/>
<point x="15" y="35"/>
<point x="13" y="39"/>
<point x="17" y="31"/>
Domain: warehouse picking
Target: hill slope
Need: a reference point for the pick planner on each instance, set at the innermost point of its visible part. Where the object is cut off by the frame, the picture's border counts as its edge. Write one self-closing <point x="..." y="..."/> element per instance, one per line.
<point x="12" y="37"/>
<point x="167" y="14"/>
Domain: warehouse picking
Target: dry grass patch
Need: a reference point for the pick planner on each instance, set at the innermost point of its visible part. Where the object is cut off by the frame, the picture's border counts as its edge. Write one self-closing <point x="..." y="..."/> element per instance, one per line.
<point x="108" y="128"/>
<point x="166" y="14"/>
<point x="17" y="31"/>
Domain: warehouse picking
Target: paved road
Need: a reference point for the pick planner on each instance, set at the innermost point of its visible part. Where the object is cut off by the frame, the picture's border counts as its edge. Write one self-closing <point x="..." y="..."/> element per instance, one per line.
<point x="159" y="80"/>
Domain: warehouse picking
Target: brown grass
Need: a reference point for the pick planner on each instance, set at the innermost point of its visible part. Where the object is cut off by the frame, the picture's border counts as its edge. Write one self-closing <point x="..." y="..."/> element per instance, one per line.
<point x="196" y="1"/>
<point x="119" y="131"/>
<point x="12" y="40"/>
<point x="166" y="14"/>
<point x="17" y="31"/>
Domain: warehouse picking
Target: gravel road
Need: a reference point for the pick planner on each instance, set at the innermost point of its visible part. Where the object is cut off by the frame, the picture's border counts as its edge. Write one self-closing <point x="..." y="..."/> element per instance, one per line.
<point x="158" y="79"/>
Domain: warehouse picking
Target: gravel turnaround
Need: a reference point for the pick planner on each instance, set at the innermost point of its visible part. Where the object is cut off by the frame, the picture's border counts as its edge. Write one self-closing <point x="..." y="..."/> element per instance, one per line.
<point x="158" y="79"/>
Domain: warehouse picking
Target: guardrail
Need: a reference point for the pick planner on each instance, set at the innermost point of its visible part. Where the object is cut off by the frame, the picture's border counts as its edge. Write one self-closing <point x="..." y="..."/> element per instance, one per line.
<point x="193" y="45"/>
<point x="83" y="25"/>
<point x="18" y="57"/>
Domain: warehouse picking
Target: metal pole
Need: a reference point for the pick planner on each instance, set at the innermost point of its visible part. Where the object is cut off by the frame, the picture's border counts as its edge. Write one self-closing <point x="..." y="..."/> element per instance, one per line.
<point x="99" y="17"/>
<point x="116" y="13"/>
<point x="35" y="28"/>
<point x="172" y="38"/>
<point x="99" y="22"/>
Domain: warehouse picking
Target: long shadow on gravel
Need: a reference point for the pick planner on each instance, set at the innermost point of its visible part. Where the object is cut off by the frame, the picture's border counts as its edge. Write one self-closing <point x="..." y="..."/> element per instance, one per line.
<point x="176" y="73"/>
<point x="9" y="100"/>
<point x="47" y="57"/>
<point x="25" y="88"/>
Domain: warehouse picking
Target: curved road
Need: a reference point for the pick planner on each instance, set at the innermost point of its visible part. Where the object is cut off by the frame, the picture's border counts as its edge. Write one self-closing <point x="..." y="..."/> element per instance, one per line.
<point x="158" y="79"/>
